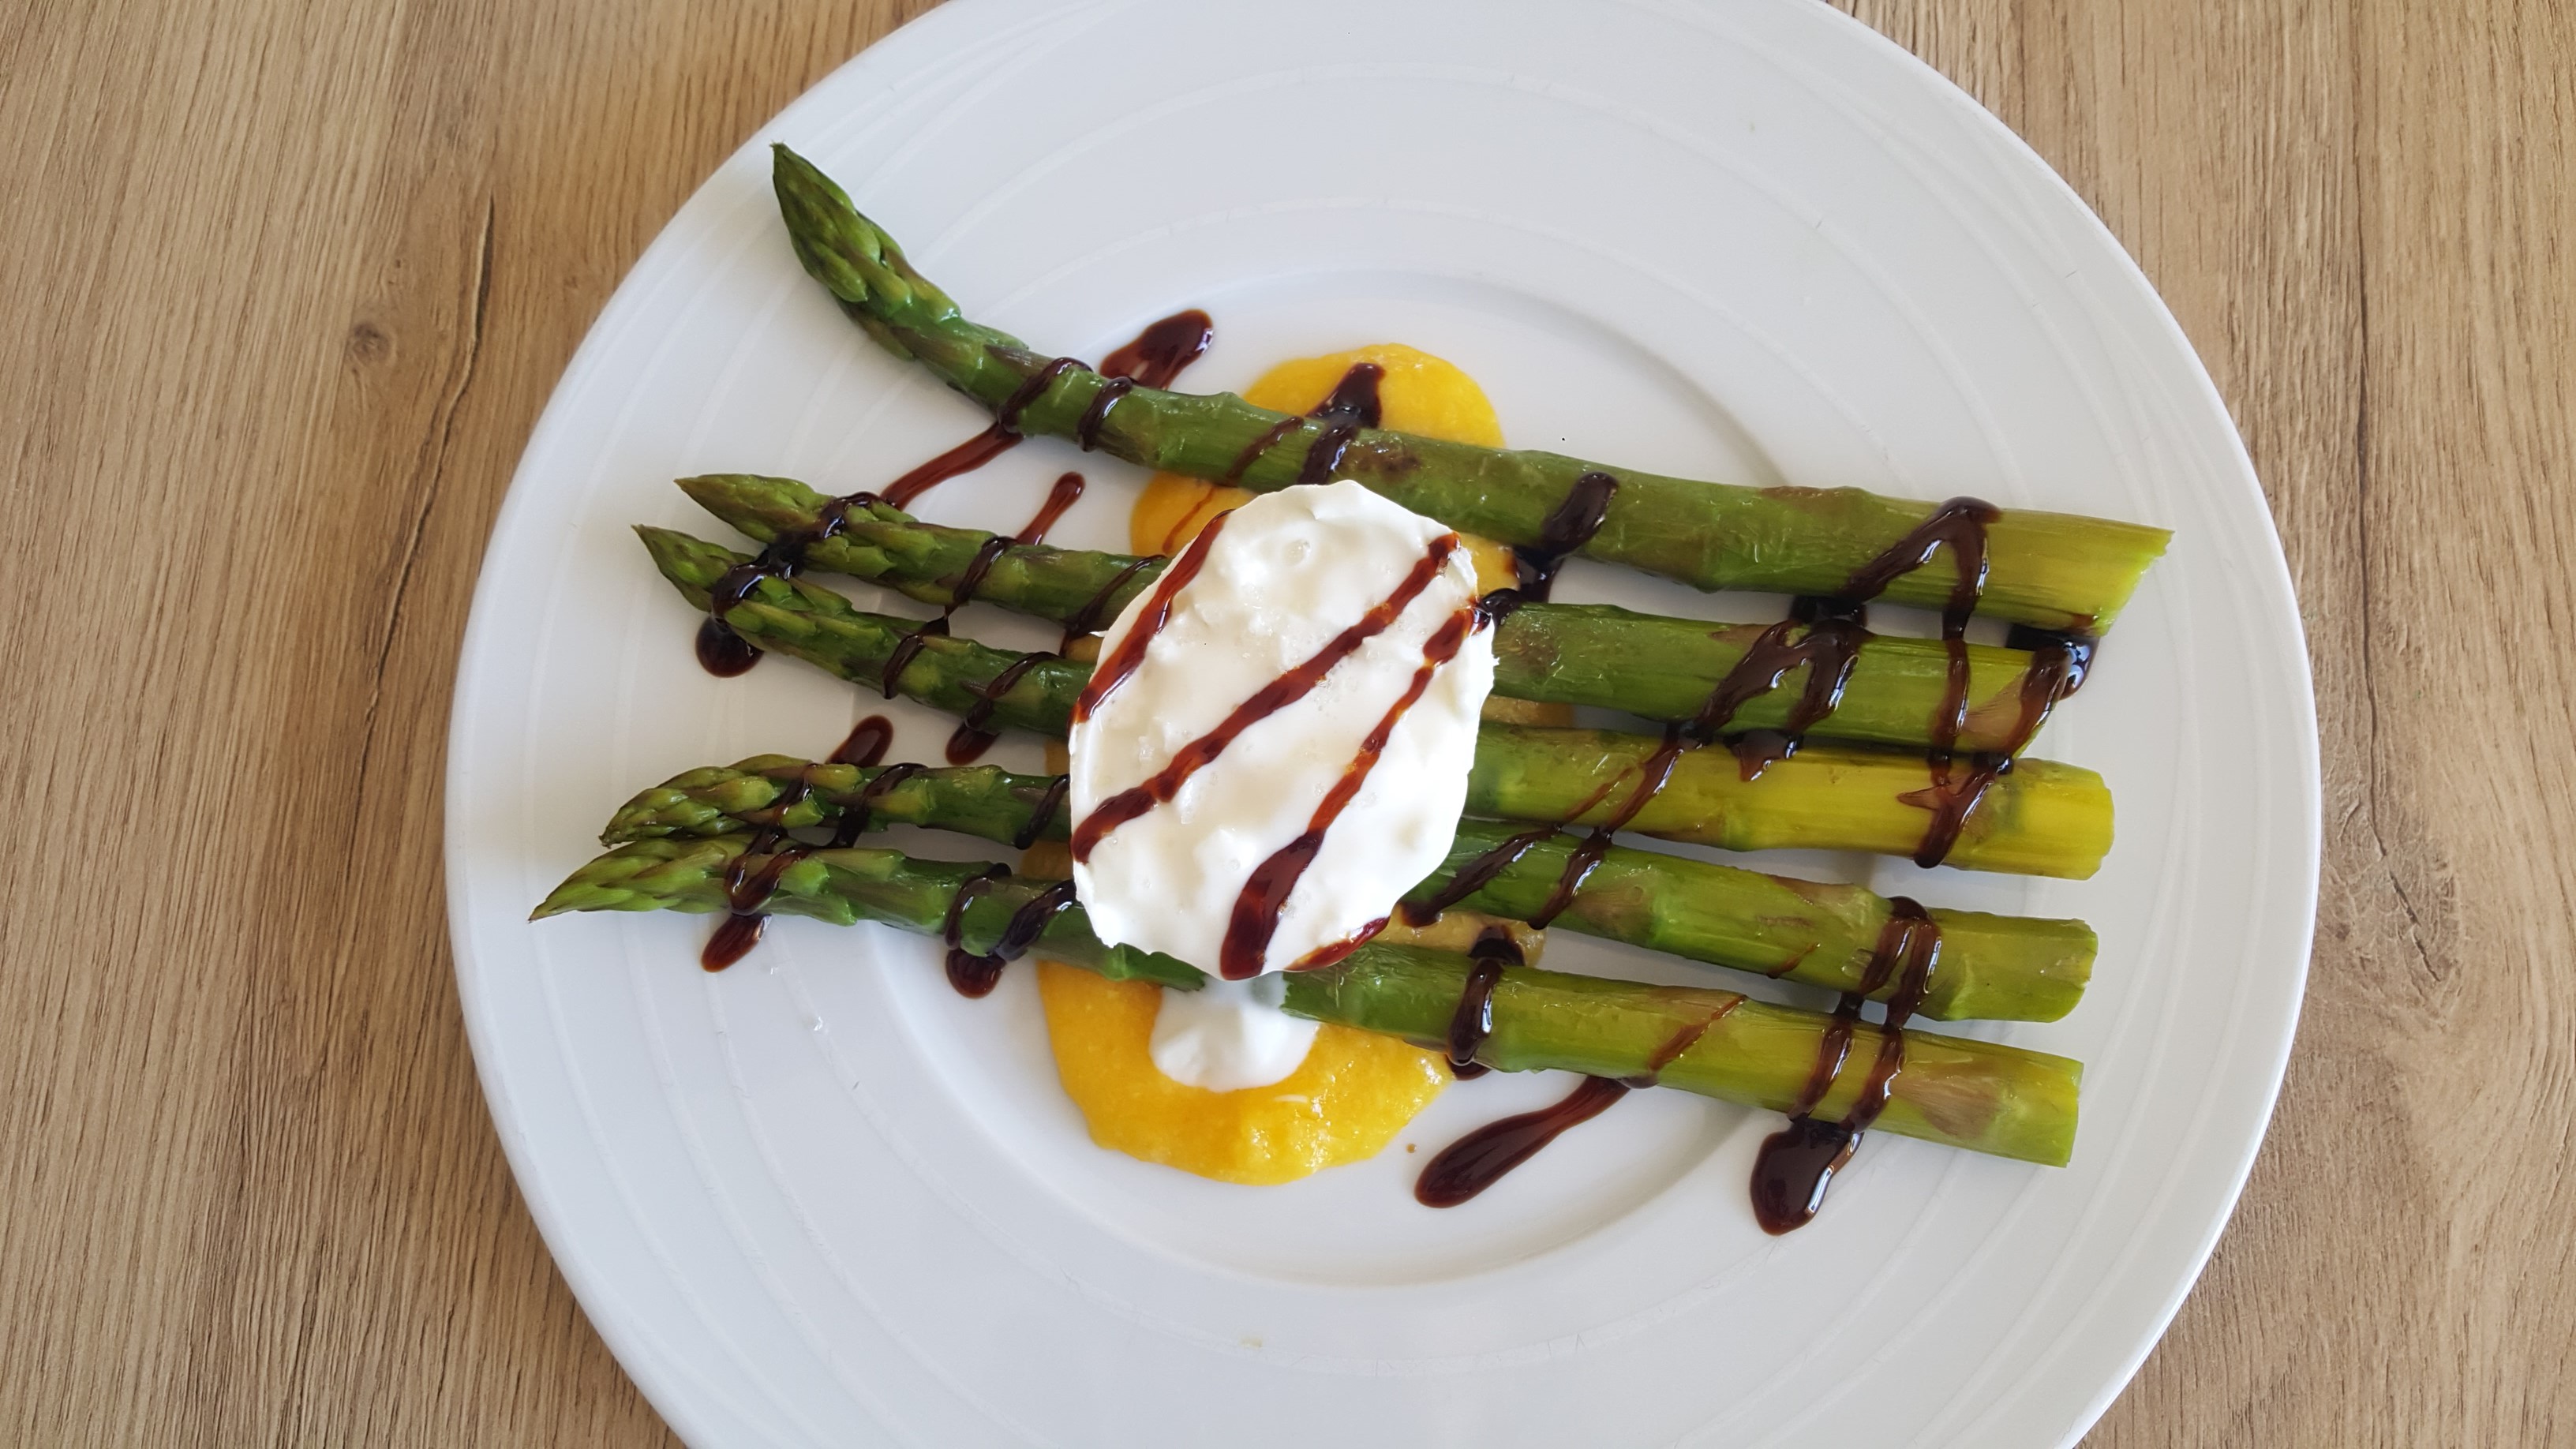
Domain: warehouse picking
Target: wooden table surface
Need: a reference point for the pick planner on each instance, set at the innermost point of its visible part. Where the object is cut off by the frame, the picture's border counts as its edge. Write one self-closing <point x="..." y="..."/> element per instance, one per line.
<point x="283" y="284"/>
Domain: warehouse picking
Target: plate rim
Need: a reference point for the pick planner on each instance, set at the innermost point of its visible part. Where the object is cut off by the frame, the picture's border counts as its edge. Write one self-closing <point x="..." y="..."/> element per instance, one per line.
<point x="625" y="305"/>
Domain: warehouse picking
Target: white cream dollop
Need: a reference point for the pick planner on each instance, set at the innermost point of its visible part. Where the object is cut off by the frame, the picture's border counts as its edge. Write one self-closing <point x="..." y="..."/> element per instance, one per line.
<point x="1229" y="1035"/>
<point x="1287" y="574"/>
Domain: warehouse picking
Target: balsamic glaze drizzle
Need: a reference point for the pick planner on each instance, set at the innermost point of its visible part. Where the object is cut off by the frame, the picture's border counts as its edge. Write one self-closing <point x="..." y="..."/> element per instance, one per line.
<point x="973" y="735"/>
<point x="1158" y="354"/>
<point x="855" y="820"/>
<point x="1353" y="404"/>
<point x="1265" y="894"/>
<point x="1473" y="1019"/>
<point x="1476" y="1161"/>
<point x="1828" y="648"/>
<point x="748" y="886"/>
<point x="1797" y="1164"/>
<point x="971" y="974"/>
<point x="1154" y="358"/>
<point x="1287" y="689"/>
<point x="1094" y="614"/>
<point x="866" y="744"/>
<point x="1049" y="801"/>
<point x="1474" y="876"/>
<point x="975" y="975"/>
<point x="997" y="439"/>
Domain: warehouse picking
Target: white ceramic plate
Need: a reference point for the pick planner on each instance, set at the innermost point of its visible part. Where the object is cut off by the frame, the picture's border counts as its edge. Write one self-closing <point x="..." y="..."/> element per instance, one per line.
<point x="822" y="1200"/>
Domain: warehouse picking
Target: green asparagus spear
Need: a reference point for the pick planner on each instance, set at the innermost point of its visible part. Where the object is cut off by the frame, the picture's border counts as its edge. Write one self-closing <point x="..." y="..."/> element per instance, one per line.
<point x="2004" y="967"/>
<point x="809" y="622"/>
<point x="1579" y="654"/>
<point x="2038" y="819"/>
<point x="2041" y="818"/>
<point x="2052" y="570"/>
<point x="1973" y="1094"/>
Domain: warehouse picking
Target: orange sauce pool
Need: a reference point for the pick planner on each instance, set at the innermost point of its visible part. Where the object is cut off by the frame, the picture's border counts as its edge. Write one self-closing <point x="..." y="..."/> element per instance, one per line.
<point x="1355" y="1091"/>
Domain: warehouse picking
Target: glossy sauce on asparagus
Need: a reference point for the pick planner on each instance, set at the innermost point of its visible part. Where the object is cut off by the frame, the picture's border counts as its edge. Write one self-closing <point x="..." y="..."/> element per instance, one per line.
<point x="1154" y="358"/>
<point x="1265" y="893"/>
<point x="1287" y="689"/>
<point x="973" y="735"/>
<point x="1797" y="1164"/>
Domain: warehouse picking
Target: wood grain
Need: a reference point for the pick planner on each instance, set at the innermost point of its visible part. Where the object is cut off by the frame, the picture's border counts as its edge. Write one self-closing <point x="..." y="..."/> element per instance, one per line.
<point x="284" y="284"/>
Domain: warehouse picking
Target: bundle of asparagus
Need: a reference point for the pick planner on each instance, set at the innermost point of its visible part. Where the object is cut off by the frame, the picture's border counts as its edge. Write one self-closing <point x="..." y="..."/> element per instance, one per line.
<point x="1978" y="1095"/>
<point x="692" y="843"/>
<point x="2038" y="819"/>
<point x="2000" y="967"/>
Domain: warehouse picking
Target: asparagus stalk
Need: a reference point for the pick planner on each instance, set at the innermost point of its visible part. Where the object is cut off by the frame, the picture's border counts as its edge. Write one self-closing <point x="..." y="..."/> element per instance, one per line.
<point x="1577" y="654"/>
<point x="2050" y="570"/>
<point x="2041" y="818"/>
<point x="2003" y="967"/>
<point x="1963" y="1093"/>
<point x="2038" y="819"/>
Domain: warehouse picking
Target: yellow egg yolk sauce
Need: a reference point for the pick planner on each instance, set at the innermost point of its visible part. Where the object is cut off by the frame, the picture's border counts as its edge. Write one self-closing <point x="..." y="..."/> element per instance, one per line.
<point x="1356" y="1090"/>
<point x="1419" y="394"/>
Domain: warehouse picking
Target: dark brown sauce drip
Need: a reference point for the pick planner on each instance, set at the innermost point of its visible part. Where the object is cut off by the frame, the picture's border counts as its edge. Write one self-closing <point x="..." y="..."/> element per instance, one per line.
<point x="974" y="735"/>
<point x="1086" y="429"/>
<point x="1155" y="357"/>
<point x="1671" y="1048"/>
<point x="733" y="939"/>
<point x="1829" y="648"/>
<point x="722" y="651"/>
<point x="1030" y="920"/>
<point x="1959" y="526"/>
<point x="1797" y="1164"/>
<point x="866" y="744"/>
<point x="1474" y="876"/>
<point x="2078" y="648"/>
<point x="1499" y="605"/>
<point x="971" y="974"/>
<point x="1586" y="856"/>
<point x="984" y="447"/>
<point x="748" y="887"/>
<point x="1244" y="460"/>
<point x="1352" y="405"/>
<point x="1568" y="528"/>
<point x="1118" y="663"/>
<point x="1277" y="695"/>
<point x="906" y="650"/>
<point x="1265" y="894"/>
<point x="1478" y="1160"/>
<point x="1960" y="783"/>
<point x="1049" y="800"/>
<point x="1094" y="613"/>
<point x="975" y="975"/>
<point x="856" y="819"/>
<point x="1066" y="492"/>
<point x="1160" y="352"/>
<point x="1473" y="1019"/>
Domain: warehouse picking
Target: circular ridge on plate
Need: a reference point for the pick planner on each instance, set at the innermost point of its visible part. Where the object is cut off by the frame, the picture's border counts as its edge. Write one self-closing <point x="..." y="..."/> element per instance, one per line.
<point x="869" y="1152"/>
